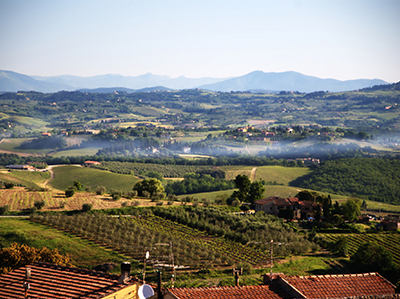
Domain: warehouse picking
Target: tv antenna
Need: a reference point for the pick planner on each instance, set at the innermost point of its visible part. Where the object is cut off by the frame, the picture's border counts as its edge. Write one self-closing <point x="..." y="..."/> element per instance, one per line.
<point x="271" y="249"/>
<point x="171" y="255"/>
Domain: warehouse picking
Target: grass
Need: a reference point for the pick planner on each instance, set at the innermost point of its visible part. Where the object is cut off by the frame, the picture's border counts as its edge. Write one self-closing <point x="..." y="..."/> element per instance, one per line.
<point x="90" y="151"/>
<point x="66" y="175"/>
<point x="26" y="178"/>
<point x="85" y="254"/>
<point x="12" y="145"/>
<point x="233" y="171"/>
<point x="309" y="265"/>
<point x="280" y="174"/>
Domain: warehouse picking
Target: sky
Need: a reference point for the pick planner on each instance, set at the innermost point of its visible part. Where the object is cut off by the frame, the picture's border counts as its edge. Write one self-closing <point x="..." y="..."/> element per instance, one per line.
<point x="340" y="39"/>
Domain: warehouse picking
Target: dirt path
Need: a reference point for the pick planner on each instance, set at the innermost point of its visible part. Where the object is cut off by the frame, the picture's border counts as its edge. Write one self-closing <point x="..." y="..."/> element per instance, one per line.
<point x="253" y="174"/>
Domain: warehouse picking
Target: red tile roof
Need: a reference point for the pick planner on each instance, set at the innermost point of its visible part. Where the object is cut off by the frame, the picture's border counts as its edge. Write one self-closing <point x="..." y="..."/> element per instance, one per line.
<point x="92" y="162"/>
<point x="340" y="286"/>
<point x="278" y="201"/>
<point x="241" y="292"/>
<point x="52" y="281"/>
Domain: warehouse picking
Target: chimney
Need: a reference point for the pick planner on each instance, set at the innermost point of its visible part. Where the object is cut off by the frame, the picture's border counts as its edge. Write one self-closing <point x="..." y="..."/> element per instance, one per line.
<point x="236" y="273"/>
<point x="26" y="284"/>
<point x="159" y="293"/>
<point x="125" y="272"/>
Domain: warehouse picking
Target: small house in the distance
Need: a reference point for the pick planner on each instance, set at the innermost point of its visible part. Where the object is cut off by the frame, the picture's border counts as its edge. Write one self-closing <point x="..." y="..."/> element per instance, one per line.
<point x="288" y="208"/>
<point x="90" y="163"/>
<point x="20" y="167"/>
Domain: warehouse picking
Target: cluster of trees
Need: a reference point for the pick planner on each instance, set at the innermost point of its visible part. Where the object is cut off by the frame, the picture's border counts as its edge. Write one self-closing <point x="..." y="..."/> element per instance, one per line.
<point x="198" y="182"/>
<point x="248" y="191"/>
<point x="369" y="257"/>
<point x="374" y="178"/>
<point x="333" y="213"/>
<point x="147" y="166"/>
<point x="129" y="147"/>
<point x="77" y="186"/>
<point x="148" y="187"/>
<point x="18" y="256"/>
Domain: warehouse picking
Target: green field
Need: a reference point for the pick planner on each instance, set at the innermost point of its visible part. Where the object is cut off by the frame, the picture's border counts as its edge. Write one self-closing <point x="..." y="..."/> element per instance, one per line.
<point x="280" y="174"/>
<point x="84" y="253"/>
<point x="64" y="176"/>
<point x="12" y="145"/>
<point x="30" y="179"/>
<point x="76" y="152"/>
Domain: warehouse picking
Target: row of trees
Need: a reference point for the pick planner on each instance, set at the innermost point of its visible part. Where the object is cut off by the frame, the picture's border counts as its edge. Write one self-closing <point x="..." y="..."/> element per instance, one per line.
<point x="196" y="183"/>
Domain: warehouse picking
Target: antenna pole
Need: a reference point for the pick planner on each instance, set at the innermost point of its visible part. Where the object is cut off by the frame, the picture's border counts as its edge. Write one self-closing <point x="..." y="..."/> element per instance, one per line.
<point x="272" y="260"/>
<point x="173" y="265"/>
<point x="144" y="268"/>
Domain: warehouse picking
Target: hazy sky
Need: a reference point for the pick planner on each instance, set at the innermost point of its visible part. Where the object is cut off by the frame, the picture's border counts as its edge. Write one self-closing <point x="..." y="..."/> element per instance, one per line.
<point x="347" y="39"/>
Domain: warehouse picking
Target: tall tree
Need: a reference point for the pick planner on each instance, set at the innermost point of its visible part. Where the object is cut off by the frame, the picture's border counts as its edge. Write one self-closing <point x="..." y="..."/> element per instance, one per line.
<point x="151" y="185"/>
<point x="351" y="209"/>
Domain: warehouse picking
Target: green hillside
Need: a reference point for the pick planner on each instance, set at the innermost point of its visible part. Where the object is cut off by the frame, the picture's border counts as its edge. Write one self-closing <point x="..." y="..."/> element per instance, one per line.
<point x="64" y="176"/>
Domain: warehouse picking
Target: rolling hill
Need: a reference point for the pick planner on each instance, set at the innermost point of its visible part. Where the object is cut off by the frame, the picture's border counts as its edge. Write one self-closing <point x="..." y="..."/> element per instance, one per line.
<point x="288" y="81"/>
<point x="258" y="80"/>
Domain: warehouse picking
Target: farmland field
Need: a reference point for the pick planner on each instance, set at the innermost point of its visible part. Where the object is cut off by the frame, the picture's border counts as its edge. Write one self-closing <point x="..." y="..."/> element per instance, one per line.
<point x="390" y="241"/>
<point x="12" y="145"/>
<point x="18" y="199"/>
<point x="27" y="178"/>
<point x="84" y="253"/>
<point x="280" y="174"/>
<point x="64" y="176"/>
<point x="76" y="152"/>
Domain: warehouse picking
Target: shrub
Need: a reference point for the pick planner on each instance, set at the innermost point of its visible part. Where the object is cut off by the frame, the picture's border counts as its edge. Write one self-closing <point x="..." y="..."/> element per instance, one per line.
<point x="100" y="190"/>
<point x="136" y="203"/>
<point x="159" y="203"/>
<point x="4" y="210"/>
<point x="9" y="185"/>
<point x="87" y="207"/>
<point x="39" y="204"/>
<point x="17" y="256"/>
<point x="116" y="194"/>
<point x="131" y="194"/>
<point x="235" y="203"/>
<point x="69" y="192"/>
<point x="244" y="208"/>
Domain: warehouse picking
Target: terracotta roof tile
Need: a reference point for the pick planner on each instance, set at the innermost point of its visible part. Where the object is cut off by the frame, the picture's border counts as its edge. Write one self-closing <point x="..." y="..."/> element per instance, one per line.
<point x="52" y="281"/>
<point x="339" y="286"/>
<point x="241" y="292"/>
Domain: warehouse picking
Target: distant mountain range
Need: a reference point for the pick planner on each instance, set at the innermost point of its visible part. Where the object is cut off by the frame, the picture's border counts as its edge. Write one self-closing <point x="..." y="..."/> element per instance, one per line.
<point x="254" y="81"/>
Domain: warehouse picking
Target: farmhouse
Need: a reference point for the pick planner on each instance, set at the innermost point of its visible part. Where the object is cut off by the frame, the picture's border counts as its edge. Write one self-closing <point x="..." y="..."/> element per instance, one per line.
<point x="90" y="163"/>
<point x="45" y="134"/>
<point x="276" y="286"/>
<point x="290" y="208"/>
<point x="43" y="280"/>
<point x="21" y="167"/>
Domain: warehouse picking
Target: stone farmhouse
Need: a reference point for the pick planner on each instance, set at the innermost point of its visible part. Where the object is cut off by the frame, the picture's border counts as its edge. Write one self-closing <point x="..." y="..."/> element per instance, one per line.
<point x="290" y="207"/>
